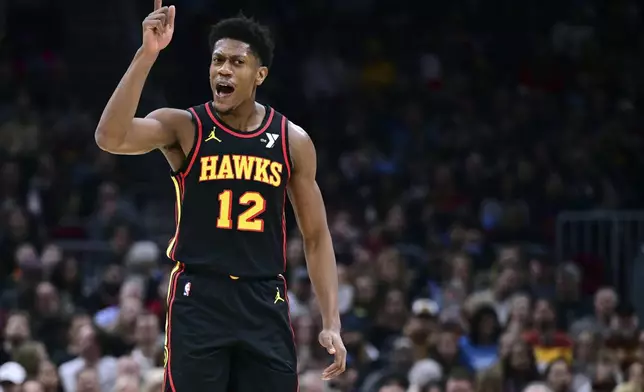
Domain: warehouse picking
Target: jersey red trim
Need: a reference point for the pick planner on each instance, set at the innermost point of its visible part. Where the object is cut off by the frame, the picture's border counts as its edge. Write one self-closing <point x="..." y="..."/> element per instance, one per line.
<point x="195" y="150"/>
<point x="284" y="130"/>
<point x="285" y="146"/>
<point x="290" y="323"/>
<point x="284" y="246"/>
<point x="179" y="185"/>
<point x="167" y="379"/>
<point x="249" y="135"/>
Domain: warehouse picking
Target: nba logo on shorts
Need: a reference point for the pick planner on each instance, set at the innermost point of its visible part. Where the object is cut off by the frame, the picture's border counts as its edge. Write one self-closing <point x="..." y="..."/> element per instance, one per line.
<point x="186" y="289"/>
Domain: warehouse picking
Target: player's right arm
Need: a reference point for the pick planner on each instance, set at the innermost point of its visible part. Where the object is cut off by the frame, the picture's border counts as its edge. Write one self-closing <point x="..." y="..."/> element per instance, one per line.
<point x="118" y="131"/>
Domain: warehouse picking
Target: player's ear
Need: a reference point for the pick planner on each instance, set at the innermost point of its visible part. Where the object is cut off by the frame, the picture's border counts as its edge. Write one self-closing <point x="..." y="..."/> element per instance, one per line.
<point x="262" y="73"/>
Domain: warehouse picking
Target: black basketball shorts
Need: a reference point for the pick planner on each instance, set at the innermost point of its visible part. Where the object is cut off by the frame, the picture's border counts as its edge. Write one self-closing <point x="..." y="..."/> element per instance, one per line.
<point x="228" y="335"/>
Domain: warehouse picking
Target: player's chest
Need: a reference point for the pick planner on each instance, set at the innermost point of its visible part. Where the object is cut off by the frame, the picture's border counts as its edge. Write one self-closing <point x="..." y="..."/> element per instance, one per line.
<point x="229" y="158"/>
<point x="215" y="141"/>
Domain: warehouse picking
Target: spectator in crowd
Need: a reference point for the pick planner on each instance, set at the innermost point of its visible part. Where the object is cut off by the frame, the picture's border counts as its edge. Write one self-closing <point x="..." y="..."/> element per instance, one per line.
<point x="16" y="332"/>
<point x="537" y="387"/>
<point x="607" y="374"/>
<point x="393" y="383"/>
<point x="48" y="377"/>
<point x="546" y="340"/>
<point x="480" y="346"/>
<point x="30" y="355"/>
<point x="605" y="304"/>
<point x="517" y="369"/>
<point x="86" y="381"/>
<point x="32" y="386"/>
<point x="153" y="380"/>
<point x="148" y="345"/>
<point x="459" y="382"/>
<point x="560" y="378"/>
<point x="90" y="355"/>
<point x="12" y="375"/>
<point x="72" y="339"/>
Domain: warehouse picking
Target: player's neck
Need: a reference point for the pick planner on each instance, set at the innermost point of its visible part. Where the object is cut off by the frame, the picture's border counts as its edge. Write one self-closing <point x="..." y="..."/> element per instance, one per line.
<point x="244" y="117"/>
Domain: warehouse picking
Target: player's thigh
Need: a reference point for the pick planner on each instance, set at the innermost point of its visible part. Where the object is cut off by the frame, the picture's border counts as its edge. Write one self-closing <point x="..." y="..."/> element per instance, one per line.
<point x="209" y="374"/>
<point x="255" y="373"/>
<point x="265" y="358"/>
<point x="197" y="339"/>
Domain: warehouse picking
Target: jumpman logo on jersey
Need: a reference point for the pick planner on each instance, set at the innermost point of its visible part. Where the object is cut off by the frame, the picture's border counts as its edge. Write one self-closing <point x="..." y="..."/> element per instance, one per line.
<point x="212" y="135"/>
<point x="278" y="296"/>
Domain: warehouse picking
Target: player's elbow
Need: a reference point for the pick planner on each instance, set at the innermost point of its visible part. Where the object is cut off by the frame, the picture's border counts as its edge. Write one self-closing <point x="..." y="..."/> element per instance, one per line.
<point x="315" y="238"/>
<point x="105" y="140"/>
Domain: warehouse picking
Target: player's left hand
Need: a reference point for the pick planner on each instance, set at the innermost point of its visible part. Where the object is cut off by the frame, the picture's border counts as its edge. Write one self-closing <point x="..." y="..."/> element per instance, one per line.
<point x="331" y="340"/>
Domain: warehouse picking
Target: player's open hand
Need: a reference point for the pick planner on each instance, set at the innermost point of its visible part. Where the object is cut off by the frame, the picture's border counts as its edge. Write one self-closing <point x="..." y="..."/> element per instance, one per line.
<point x="158" y="28"/>
<point x="332" y="341"/>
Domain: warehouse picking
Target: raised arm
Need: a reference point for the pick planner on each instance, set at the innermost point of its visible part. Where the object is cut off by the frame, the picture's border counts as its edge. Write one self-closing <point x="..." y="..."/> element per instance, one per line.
<point x="118" y="131"/>
<point x="310" y="213"/>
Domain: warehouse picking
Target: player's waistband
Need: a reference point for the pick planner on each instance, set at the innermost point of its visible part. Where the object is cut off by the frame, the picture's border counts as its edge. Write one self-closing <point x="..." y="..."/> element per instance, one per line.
<point x="206" y="270"/>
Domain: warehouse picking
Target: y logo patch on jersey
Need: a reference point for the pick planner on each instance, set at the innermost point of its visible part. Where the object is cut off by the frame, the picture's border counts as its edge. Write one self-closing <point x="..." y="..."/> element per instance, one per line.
<point x="278" y="296"/>
<point x="186" y="289"/>
<point x="272" y="138"/>
<point x="212" y="136"/>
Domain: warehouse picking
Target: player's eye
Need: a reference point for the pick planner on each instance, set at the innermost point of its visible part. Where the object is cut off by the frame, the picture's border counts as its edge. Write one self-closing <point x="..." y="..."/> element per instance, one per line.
<point x="239" y="62"/>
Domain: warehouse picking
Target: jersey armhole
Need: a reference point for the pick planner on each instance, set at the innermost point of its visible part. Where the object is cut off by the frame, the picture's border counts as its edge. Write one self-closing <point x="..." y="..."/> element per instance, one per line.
<point x="184" y="170"/>
<point x="285" y="146"/>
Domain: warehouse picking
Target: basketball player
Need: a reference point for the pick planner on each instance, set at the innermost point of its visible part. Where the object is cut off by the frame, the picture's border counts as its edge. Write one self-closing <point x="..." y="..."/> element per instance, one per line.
<point x="233" y="162"/>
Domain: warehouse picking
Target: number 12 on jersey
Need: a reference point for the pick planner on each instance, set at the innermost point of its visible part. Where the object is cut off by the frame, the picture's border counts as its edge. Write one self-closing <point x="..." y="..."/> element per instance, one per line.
<point x="247" y="220"/>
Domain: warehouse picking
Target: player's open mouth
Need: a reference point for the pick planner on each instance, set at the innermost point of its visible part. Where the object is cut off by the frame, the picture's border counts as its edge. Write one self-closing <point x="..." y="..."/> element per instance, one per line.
<point x="224" y="89"/>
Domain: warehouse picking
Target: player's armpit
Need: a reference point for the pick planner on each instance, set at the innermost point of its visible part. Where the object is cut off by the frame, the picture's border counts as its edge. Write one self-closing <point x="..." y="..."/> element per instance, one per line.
<point x="158" y="129"/>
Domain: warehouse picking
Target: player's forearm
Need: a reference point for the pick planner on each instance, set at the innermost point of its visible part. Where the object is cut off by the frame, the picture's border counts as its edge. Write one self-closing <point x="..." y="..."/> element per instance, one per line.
<point x="119" y="112"/>
<point x="324" y="276"/>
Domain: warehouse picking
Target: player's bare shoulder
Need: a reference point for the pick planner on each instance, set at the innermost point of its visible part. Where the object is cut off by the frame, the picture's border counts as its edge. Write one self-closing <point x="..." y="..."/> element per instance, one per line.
<point x="179" y="123"/>
<point x="301" y="148"/>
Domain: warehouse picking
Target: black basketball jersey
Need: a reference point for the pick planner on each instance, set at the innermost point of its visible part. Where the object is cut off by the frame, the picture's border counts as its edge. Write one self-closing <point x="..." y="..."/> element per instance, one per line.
<point x="231" y="194"/>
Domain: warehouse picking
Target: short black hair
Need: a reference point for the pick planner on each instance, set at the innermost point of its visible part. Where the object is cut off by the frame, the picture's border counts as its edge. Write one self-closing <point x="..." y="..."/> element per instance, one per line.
<point x="248" y="30"/>
<point x="394" y="379"/>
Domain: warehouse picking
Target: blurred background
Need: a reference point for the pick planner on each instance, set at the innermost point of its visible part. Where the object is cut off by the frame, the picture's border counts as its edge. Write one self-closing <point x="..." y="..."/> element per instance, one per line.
<point x="481" y="163"/>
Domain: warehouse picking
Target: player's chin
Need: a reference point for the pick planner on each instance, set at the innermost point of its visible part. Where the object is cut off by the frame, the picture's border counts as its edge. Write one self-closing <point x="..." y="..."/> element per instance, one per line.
<point x="223" y="105"/>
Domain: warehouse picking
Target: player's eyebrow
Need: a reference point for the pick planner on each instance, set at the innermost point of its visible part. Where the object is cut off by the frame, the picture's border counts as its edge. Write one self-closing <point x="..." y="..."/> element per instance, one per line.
<point x="219" y="56"/>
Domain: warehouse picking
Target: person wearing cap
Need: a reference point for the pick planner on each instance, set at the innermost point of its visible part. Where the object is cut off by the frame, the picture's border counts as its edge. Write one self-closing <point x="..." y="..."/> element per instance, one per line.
<point x="537" y="387"/>
<point x="12" y="375"/>
<point x="423" y="306"/>
<point x="422" y="326"/>
<point x="422" y="373"/>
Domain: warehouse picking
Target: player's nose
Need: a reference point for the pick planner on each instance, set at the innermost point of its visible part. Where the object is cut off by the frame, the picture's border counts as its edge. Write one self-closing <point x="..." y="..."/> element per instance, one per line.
<point x="225" y="70"/>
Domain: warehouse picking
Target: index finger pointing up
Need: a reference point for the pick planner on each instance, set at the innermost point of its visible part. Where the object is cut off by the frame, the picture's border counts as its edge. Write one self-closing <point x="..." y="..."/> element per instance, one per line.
<point x="157" y="4"/>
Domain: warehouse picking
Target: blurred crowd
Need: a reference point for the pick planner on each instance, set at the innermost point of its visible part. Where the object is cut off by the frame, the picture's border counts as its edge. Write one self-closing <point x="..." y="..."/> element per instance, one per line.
<point x="449" y="139"/>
